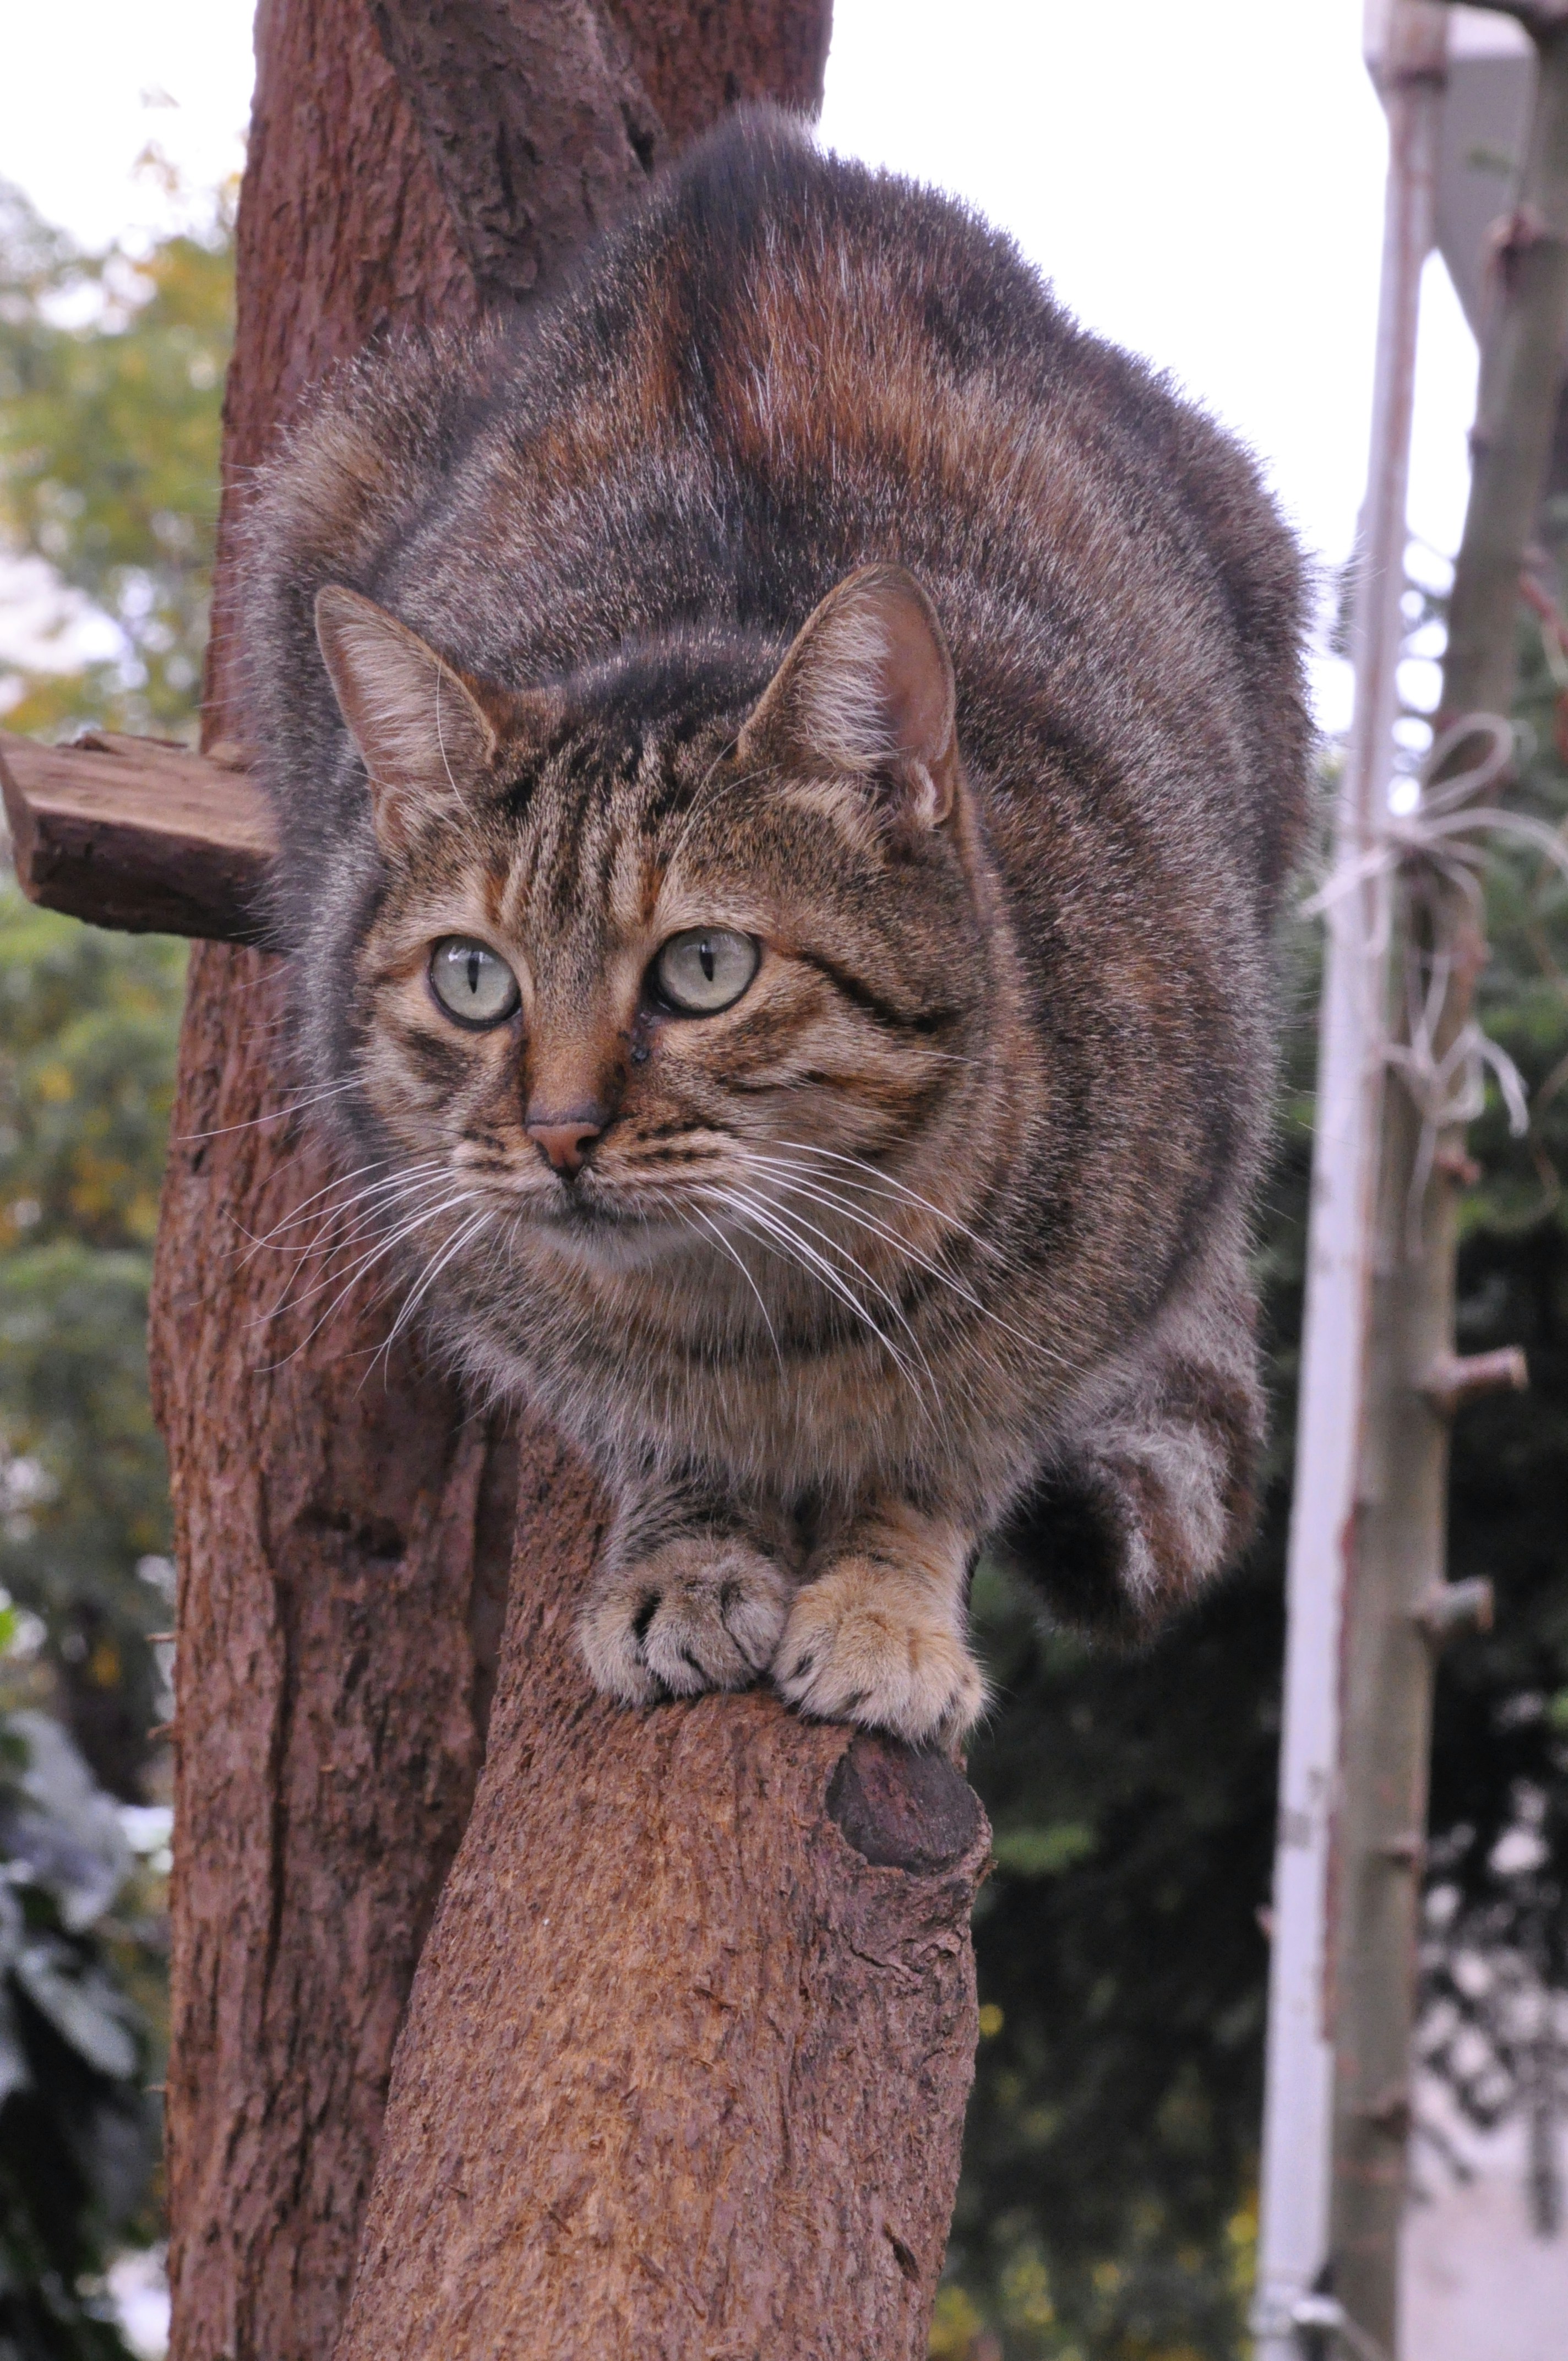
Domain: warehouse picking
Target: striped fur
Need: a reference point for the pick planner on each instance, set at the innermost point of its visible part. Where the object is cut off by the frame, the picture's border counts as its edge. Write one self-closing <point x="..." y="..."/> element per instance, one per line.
<point x="939" y="1232"/>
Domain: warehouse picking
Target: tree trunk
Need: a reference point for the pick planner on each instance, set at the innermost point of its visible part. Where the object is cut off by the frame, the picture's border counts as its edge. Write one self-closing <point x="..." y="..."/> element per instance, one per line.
<point x="344" y="1535"/>
<point x="685" y="2069"/>
<point x="328" y="1532"/>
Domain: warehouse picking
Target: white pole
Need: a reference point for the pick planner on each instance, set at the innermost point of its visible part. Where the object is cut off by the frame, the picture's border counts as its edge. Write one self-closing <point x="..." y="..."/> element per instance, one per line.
<point x="1407" y="63"/>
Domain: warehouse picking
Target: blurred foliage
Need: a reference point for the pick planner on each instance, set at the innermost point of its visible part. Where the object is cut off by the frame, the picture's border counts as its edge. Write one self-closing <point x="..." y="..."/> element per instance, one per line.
<point x="1107" y="2209"/>
<point x="111" y="388"/>
<point x="111" y="377"/>
<point x="78" y="2132"/>
<point x="88" y="1026"/>
<point x="110" y="394"/>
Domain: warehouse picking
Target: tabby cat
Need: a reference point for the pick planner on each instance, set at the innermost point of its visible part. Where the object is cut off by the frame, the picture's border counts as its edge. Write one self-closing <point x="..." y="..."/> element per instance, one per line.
<point x="786" y="766"/>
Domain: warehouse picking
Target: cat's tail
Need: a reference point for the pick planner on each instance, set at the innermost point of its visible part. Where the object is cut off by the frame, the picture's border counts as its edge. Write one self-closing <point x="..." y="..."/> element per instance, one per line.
<point x="1154" y="1492"/>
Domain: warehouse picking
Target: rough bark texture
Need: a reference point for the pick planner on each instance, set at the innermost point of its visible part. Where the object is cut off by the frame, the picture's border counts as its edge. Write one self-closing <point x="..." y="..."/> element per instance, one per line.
<point x="326" y="1737"/>
<point x="696" y="57"/>
<point x="534" y="122"/>
<point x="685" y="2069"/>
<point x="342" y="1532"/>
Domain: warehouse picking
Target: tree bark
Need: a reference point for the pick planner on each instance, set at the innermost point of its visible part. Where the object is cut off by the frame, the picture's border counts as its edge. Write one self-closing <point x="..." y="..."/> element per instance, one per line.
<point x="1298" y="2126"/>
<point x="685" y="2069"/>
<point x="343" y="1534"/>
<point x="536" y="126"/>
<point x="329" y="1532"/>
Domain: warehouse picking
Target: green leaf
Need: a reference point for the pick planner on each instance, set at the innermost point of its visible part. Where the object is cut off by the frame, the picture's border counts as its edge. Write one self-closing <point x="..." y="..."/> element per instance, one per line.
<point x="82" y="2003"/>
<point x="1042" y="1852"/>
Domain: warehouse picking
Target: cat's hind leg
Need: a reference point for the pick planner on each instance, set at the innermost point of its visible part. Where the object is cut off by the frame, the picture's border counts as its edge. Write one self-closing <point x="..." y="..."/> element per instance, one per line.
<point x="876" y="1634"/>
<point x="1152" y="1493"/>
<point x="688" y="1597"/>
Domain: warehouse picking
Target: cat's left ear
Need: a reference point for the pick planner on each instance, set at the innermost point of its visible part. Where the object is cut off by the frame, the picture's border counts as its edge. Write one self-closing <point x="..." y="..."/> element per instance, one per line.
<point x="867" y="691"/>
<point x="425" y="738"/>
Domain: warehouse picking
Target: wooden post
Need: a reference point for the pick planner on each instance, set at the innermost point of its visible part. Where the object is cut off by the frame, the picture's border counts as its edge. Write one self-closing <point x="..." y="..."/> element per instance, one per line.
<point x="1298" y="2116"/>
<point x="1400" y="1541"/>
<point x="760" y="1953"/>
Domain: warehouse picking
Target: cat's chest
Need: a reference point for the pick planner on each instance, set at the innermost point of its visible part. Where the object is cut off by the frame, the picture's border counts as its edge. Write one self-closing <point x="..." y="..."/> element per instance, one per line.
<point x="782" y="1408"/>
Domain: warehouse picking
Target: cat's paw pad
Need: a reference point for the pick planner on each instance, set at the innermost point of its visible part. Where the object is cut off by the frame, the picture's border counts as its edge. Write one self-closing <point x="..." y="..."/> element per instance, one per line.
<point x="699" y="1614"/>
<point x="867" y="1645"/>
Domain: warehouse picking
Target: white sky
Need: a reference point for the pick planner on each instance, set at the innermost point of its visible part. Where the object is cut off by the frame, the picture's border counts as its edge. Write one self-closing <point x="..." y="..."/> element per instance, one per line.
<point x="1203" y="183"/>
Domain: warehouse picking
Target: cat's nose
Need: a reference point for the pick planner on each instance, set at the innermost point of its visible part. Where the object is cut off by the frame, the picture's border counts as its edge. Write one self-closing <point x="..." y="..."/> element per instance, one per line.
<point x="565" y="1138"/>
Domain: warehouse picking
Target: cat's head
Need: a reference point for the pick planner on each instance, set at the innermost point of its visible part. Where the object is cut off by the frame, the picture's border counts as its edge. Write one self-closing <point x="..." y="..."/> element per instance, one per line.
<point x="680" y="950"/>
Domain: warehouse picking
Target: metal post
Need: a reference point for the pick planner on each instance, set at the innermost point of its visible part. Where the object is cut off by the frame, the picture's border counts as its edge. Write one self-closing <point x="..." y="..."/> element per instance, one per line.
<point x="1298" y="2112"/>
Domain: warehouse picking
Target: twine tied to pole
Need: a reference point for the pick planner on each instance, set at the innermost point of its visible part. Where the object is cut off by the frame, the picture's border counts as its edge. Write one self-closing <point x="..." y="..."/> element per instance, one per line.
<point x="1439" y="849"/>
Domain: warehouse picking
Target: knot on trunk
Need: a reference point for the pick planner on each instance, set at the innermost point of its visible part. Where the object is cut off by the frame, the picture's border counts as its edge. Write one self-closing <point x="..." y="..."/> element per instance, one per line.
<point x="901" y="1808"/>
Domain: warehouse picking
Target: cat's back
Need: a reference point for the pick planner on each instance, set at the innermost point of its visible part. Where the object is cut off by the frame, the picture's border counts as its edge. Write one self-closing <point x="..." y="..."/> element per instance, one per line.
<point x="783" y="365"/>
<point x="848" y="355"/>
<point x="788" y="364"/>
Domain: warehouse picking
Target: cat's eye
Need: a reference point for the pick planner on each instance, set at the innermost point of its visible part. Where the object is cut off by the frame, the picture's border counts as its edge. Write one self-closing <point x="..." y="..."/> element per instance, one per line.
<point x="472" y="982"/>
<point x="705" y="970"/>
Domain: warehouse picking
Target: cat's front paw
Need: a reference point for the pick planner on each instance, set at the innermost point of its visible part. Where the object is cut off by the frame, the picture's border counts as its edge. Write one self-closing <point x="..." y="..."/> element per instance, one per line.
<point x="701" y="1614"/>
<point x="866" y="1643"/>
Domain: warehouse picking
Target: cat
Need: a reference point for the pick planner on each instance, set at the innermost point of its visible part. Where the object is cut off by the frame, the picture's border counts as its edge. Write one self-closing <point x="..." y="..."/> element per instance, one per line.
<point x="786" y="764"/>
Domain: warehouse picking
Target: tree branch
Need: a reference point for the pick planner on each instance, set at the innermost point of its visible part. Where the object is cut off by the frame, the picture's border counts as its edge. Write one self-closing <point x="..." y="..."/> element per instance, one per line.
<point x="685" y="2063"/>
<point x="535" y="122"/>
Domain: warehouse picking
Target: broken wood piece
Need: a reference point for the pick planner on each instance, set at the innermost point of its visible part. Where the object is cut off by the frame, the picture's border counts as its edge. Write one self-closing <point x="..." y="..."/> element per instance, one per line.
<point x="1455" y="1164"/>
<point x="138" y="834"/>
<point x="1459" y="1377"/>
<point x="1450" y="1607"/>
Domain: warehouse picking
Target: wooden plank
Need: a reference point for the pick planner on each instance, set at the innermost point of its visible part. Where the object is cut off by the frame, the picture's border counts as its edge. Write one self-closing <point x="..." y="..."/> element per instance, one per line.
<point x="138" y="834"/>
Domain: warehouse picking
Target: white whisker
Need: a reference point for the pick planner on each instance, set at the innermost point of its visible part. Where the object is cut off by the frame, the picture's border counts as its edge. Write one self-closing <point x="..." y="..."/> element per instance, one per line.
<point x="365" y="1262"/>
<point x="783" y="1175"/>
<point x="795" y="1183"/>
<point x="773" y="1226"/>
<point x="797" y="1222"/>
<point x="432" y="1271"/>
<point x="697" y="1214"/>
<point x="274" y="1115"/>
<point x="393" y="1184"/>
<point x="885" y="1183"/>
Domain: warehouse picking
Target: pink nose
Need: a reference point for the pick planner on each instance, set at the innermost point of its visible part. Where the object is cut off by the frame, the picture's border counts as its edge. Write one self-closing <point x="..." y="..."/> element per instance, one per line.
<point x="565" y="1139"/>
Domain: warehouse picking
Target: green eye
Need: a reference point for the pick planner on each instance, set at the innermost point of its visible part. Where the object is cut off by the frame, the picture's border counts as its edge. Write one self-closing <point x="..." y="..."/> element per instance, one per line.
<point x="704" y="969"/>
<point x="471" y="982"/>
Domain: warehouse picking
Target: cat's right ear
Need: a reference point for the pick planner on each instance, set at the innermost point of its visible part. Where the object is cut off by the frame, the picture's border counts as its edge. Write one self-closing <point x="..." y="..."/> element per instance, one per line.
<point x="427" y="740"/>
<point x="866" y="692"/>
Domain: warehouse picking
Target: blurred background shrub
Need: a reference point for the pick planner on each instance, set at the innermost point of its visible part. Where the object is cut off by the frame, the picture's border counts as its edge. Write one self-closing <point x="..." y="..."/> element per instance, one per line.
<point x="111" y="387"/>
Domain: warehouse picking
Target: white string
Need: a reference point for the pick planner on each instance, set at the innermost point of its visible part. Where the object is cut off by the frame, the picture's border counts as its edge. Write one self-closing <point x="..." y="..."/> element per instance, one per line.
<point x="1444" y="844"/>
